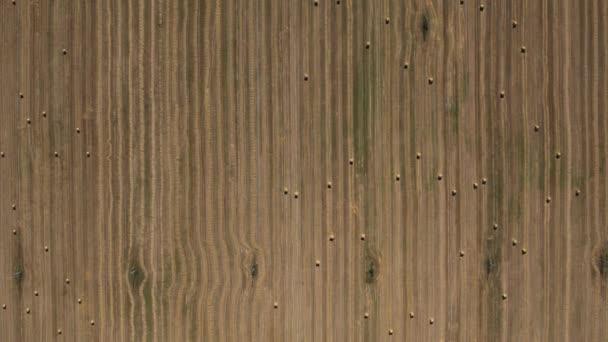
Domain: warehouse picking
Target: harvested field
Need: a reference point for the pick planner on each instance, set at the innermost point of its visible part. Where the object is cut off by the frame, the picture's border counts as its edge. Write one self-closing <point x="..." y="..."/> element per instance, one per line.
<point x="303" y="170"/>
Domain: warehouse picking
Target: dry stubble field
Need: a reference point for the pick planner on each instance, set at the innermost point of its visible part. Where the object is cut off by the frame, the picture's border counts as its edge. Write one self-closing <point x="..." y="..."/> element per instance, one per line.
<point x="292" y="170"/>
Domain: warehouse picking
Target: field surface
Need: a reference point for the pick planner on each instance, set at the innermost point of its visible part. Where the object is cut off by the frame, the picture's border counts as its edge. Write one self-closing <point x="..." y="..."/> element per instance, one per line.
<point x="293" y="170"/>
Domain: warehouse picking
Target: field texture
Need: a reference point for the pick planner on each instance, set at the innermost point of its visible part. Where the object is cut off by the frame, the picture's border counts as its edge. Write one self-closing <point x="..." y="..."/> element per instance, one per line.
<point x="301" y="170"/>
